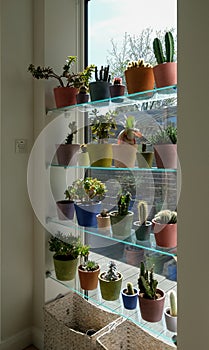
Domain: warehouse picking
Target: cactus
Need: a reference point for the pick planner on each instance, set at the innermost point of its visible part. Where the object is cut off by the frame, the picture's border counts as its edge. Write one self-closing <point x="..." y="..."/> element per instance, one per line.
<point x="103" y="74"/>
<point x="111" y="274"/>
<point x="158" y="51"/>
<point x="166" y="217"/>
<point x="104" y="213"/>
<point x="130" y="289"/>
<point x="173" y="303"/>
<point x="169" y="46"/>
<point x="146" y="282"/>
<point x="143" y="212"/>
<point x="123" y="203"/>
<point x="139" y="63"/>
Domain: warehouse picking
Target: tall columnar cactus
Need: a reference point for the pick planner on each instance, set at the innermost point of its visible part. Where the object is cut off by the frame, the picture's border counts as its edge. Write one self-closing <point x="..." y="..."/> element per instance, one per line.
<point x="130" y="289"/>
<point x="143" y="212"/>
<point x="123" y="203"/>
<point x="173" y="303"/>
<point x="158" y="51"/>
<point x="146" y="282"/>
<point x="169" y="46"/>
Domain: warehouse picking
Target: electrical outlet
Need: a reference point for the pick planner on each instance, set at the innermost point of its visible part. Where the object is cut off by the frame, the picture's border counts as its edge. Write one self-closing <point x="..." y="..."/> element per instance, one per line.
<point x="20" y="146"/>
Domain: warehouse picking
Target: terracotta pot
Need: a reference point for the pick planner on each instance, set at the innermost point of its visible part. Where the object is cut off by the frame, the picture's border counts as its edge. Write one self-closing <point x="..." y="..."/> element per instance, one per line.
<point x="124" y="155"/>
<point x="166" y="156"/>
<point x="100" y="155"/>
<point x="65" y="209"/>
<point x="103" y="222"/>
<point x="65" y="270"/>
<point x="171" y="321"/>
<point x="152" y="310"/>
<point x="165" y="74"/>
<point x="110" y="290"/>
<point x="145" y="159"/>
<point x="165" y="234"/>
<point x="139" y="79"/>
<point x="67" y="155"/>
<point x="88" y="279"/>
<point x="99" y="90"/>
<point x="65" y="96"/>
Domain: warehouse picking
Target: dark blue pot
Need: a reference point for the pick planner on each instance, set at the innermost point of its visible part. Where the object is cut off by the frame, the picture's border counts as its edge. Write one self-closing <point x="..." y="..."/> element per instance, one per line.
<point x="130" y="301"/>
<point x="86" y="213"/>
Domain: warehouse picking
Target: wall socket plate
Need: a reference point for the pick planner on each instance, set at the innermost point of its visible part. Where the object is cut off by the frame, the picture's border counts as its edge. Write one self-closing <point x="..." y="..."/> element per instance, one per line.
<point x="21" y="146"/>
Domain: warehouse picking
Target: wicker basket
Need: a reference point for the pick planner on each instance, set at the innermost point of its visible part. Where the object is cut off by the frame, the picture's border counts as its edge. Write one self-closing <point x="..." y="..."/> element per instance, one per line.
<point x="67" y="319"/>
<point x="126" y="335"/>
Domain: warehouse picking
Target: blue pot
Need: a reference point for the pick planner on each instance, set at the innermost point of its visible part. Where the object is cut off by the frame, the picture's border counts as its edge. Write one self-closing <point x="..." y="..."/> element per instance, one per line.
<point x="130" y="301"/>
<point x="86" y="213"/>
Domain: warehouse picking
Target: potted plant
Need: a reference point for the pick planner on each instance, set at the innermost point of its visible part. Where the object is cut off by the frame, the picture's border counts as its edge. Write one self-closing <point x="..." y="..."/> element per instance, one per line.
<point x="67" y="153"/>
<point x="144" y="156"/>
<point x="82" y="95"/>
<point x="165" y="147"/>
<point x="151" y="298"/>
<point x="88" y="273"/>
<point x="122" y="218"/>
<point x="110" y="282"/>
<point x="87" y="194"/>
<point x="129" y="296"/>
<point x="99" y="89"/>
<point x="66" y="249"/>
<point x="69" y="82"/>
<point x="124" y="153"/>
<point x="165" y="228"/>
<point x="103" y="220"/>
<point x="170" y="312"/>
<point x="139" y="76"/>
<point x="65" y="207"/>
<point x="142" y="226"/>
<point x="117" y="89"/>
<point x="133" y="255"/>
<point x="102" y="127"/>
<point x="165" y="72"/>
<point x="83" y="156"/>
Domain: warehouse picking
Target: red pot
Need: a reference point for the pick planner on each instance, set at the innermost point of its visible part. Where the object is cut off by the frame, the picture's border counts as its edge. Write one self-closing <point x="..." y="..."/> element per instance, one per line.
<point x="65" y="96"/>
<point x="165" y="234"/>
<point x="165" y="74"/>
<point x="152" y="310"/>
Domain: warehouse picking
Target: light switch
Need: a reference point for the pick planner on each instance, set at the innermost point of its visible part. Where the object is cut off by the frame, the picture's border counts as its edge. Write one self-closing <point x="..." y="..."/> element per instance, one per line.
<point x="20" y="146"/>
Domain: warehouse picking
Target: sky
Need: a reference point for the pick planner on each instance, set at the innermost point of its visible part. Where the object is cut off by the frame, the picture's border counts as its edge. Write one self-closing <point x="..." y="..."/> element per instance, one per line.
<point x="111" y="19"/>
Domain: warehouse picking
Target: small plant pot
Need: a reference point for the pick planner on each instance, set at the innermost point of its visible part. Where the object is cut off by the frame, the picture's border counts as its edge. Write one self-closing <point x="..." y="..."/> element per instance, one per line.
<point x="166" y="156"/>
<point x="82" y="98"/>
<point x="99" y="90"/>
<point x="145" y="159"/>
<point x="165" y="234"/>
<point x="139" y="79"/>
<point x="103" y="222"/>
<point x="100" y="155"/>
<point x="65" y="209"/>
<point x="171" y="321"/>
<point x="88" y="279"/>
<point x="165" y="74"/>
<point x="65" y="270"/>
<point x="65" y="96"/>
<point x="133" y="255"/>
<point x="124" y="155"/>
<point x="67" y="155"/>
<point x="129" y="301"/>
<point x="110" y="290"/>
<point x="117" y="90"/>
<point x="152" y="310"/>
<point x="121" y="224"/>
<point x="86" y="213"/>
<point x="142" y="232"/>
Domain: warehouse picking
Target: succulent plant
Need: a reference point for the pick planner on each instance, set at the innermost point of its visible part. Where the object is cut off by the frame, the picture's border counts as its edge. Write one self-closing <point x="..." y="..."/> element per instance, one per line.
<point x="166" y="216"/>
<point x="169" y="49"/>
<point x="102" y="126"/>
<point x="111" y="274"/>
<point x="173" y="303"/>
<point x="130" y="289"/>
<point x="86" y="190"/>
<point x="142" y="211"/>
<point x="146" y="282"/>
<point x="165" y="136"/>
<point x="89" y="265"/>
<point x="102" y="74"/>
<point x="123" y="203"/>
<point x="129" y="133"/>
<point x="74" y="130"/>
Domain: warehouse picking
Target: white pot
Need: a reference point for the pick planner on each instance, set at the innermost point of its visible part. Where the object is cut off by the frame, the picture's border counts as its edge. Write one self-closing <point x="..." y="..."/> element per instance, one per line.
<point x="171" y="321"/>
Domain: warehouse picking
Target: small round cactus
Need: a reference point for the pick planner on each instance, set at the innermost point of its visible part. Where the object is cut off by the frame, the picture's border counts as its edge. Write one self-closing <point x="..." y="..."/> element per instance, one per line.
<point x="166" y="217"/>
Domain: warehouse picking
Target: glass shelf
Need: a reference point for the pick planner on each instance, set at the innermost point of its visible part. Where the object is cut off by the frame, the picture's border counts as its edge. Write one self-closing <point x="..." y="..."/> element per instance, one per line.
<point x="131" y="240"/>
<point x="169" y="92"/>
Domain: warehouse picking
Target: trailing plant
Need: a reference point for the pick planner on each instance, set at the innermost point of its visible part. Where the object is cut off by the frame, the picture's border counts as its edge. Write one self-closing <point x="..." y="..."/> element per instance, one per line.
<point x="137" y="64"/>
<point x="169" y="49"/>
<point x="67" y="247"/>
<point x="143" y="212"/>
<point x="146" y="282"/>
<point x="86" y="190"/>
<point x="165" y="136"/>
<point x="102" y="74"/>
<point x="67" y="77"/>
<point x="102" y="126"/>
<point x="70" y="136"/>
<point x="111" y="274"/>
<point x="89" y="265"/>
<point x="173" y="303"/>
<point x="166" y="216"/>
<point x="130" y="132"/>
<point x="129" y="289"/>
<point x="123" y="203"/>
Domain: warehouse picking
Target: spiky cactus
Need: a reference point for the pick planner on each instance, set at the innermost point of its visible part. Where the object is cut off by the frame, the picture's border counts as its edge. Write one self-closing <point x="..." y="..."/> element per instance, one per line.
<point x="123" y="203"/>
<point x="173" y="303"/>
<point x="166" y="217"/>
<point x="130" y="289"/>
<point x="169" y="49"/>
<point x="146" y="282"/>
<point x="143" y="212"/>
<point x="158" y="51"/>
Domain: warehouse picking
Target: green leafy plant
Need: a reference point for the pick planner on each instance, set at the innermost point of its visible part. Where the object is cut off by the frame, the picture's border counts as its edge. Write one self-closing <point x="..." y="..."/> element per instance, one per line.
<point x="70" y="136"/>
<point x="67" y="247"/>
<point x="89" y="265"/>
<point x="86" y="190"/>
<point x="166" y="216"/>
<point x="146" y="282"/>
<point x="165" y="136"/>
<point x="111" y="274"/>
<point x="173" y="303"/>
<point x="102" y="126"/>
<point x="123" y="203"/>
<point x="67" y="77"/>
<point x="169" y="49"/>
<point x="142" y="211"/>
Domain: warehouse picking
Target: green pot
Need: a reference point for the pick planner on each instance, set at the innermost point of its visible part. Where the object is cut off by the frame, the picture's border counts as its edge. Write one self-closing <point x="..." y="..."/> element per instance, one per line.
<point x="145" y="159"/>
<point x="100" y="154"/>
<point x="65" y="270"/>
<point x="110" y="290"/>
<point x="121" y="224"/>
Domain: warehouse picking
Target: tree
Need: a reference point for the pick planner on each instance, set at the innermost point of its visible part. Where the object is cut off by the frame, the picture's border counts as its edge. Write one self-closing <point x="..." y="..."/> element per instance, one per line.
<point x="132" y="48"/>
